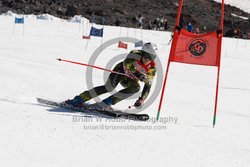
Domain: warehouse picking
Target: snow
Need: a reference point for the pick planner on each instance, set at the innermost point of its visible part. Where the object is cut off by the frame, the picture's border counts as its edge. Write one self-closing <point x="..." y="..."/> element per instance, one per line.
<point x="33" y="134"/>
<point x="242" y="4"/>
<point x="244" y="18"/>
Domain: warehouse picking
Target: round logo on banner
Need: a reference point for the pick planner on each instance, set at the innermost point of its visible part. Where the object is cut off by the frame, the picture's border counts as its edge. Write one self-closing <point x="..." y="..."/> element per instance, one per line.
<point x="197" y="47"/>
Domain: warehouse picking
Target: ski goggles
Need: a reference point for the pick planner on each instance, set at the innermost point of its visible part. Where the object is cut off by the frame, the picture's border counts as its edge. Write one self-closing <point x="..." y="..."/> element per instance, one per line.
<point x="148" y="56"/>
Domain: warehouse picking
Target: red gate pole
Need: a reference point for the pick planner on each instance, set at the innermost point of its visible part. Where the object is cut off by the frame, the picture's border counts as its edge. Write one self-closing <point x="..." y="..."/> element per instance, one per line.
<point x="173" y="48"/>
<point x="218" y="59"/>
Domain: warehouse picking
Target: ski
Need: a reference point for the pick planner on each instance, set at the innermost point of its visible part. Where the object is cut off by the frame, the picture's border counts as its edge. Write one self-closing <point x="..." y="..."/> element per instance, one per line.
<point x="111" y="114"/>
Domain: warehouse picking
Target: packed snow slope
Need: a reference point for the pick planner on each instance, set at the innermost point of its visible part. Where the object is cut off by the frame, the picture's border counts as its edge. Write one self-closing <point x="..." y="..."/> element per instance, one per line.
<point x="37" y="135"/>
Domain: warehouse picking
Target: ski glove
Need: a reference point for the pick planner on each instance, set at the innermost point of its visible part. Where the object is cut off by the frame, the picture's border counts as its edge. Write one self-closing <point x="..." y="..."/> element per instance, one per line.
<point x="139" y="103"/>
<point x="139" y="75"/>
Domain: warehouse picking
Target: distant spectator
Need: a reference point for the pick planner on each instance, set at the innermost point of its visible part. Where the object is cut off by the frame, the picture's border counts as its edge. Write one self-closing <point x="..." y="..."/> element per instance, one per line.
<point x="181" y="22"/>
<point x="190" y="27"/>
<point x="157" y="24"/>
<point x="205" y="29"/>
<point x="162" y="23"/>
<point x="235" y="33"/>
<point x="150" y="25"/>
<point x="140" y="21"/>
<point x="197" y="30"/>
<point x="117" y="22"/>
<point x="244" y="35"/>
<point x="165" y="24"/>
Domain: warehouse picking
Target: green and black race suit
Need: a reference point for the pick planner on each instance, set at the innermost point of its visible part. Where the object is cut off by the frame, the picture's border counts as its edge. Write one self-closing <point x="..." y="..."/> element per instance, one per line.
<point x="137" y="71"/>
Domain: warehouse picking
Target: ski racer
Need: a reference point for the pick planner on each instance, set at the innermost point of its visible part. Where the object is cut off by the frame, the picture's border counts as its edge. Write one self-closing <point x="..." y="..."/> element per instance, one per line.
<point x="139" y="65"/>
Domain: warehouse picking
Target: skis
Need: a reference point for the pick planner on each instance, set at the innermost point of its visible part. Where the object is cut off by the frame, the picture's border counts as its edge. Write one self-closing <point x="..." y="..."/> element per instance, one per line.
<point x="111" y="114"/>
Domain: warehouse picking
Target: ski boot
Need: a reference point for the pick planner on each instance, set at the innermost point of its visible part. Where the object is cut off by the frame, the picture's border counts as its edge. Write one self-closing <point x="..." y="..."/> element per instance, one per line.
<point x="77" y="102"/>
<point x="104" y="105"/>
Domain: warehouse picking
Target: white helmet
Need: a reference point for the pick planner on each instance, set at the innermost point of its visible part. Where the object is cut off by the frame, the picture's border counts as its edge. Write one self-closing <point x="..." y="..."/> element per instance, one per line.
<point x="150" y="49"/>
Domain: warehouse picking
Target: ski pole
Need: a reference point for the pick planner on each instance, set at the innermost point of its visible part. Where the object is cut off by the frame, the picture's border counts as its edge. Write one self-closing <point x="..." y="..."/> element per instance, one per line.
<point x="170" y="39"/>
<point x="97" y="67"/>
